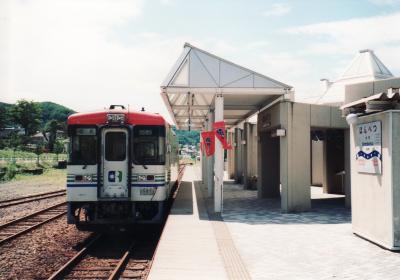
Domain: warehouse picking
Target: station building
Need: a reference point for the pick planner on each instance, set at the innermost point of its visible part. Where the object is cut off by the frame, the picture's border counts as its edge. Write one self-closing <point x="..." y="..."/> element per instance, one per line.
<point x="289" y="146"/>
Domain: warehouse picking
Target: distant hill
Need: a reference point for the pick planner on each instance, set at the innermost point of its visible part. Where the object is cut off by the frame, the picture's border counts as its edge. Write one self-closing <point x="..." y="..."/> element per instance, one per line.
<point x="50" y="111"/>
<point x="54" y="111"/>
<point x="5" y="105"/>
<point x="186" y="137"/>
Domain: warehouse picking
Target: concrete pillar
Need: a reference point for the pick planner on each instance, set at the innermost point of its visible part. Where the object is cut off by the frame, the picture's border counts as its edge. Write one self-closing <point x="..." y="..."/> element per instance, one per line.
<point x="249" y="152"/>
<point x="295" y="173"/>
<point x="203" y="165"/>
<point x="238" y="155"/>
<point x="347" y="159"/>
<point x="317" y="162"/>
<point x="210" y="159"/>
<point x="219" y="158"/>
<point x="203" y="168"/>
<point x="246" y="161"/>
<point x="230" y="156"/>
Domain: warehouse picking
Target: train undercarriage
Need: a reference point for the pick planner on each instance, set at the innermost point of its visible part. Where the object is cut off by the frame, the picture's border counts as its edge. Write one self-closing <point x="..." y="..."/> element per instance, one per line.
<point x="106" y="215"/>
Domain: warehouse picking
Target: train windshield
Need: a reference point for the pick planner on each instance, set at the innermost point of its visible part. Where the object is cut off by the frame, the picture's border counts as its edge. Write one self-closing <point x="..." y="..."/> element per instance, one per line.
<point x="83" y="146"/>
<point x="149" y="145"/>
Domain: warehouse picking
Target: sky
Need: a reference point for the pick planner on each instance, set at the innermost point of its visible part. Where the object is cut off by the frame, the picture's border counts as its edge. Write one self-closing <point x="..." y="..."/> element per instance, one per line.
<point x="88" y="54"/>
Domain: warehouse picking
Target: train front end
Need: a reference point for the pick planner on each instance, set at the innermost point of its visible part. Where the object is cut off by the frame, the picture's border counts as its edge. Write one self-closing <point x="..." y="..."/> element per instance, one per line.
<point x="119" y="169"/>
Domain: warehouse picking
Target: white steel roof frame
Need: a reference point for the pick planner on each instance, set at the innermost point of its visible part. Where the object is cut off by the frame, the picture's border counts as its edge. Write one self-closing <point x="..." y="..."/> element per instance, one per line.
<point x="190" y="88"/>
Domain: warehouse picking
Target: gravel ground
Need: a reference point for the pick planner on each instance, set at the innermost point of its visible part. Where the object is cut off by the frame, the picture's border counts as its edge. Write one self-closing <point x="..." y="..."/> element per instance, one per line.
<point x="51" y="180"/>
<point x="18" y="211"/>
<point x="41" y="252"/>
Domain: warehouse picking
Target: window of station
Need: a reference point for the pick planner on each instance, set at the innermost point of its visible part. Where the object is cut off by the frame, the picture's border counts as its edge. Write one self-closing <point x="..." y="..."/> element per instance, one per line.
<point x="149" y="145"/>
<point x="83" y="146"/>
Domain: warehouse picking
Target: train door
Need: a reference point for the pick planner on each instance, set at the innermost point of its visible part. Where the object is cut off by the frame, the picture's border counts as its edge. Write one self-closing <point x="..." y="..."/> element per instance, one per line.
<point x="115" y="163"/>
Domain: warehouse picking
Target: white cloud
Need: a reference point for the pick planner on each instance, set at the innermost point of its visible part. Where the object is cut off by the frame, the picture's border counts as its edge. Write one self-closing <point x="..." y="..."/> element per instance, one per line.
<point x="379" y="33"/>
<point x="343" y="39"/>
<point x="385" y="2"/>
<point x="167" y="2"/>
<point x="277" y="10"/>
<point x="65" y="51"/>
<point x="353" y="34"/>
<point x="68" y="53"/>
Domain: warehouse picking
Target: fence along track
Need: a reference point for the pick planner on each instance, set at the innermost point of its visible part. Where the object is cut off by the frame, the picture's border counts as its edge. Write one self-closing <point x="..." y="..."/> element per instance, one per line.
<point x="103" y="264"/>
<point x="15" y="228"/>
<point x="30" y="198"/>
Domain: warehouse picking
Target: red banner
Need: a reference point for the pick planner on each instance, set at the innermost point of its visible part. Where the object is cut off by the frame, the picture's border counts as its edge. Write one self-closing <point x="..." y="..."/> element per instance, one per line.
<point x="208" y="142"/>
<point x="219" y="129"/>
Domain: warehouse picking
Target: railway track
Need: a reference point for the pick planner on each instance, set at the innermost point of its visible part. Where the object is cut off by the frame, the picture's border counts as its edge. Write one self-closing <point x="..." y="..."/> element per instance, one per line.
<point x="18" y="227"/>
<point x="30" y="198"/>
<point x="104" y="257"/>
<point x="114" y="257"/>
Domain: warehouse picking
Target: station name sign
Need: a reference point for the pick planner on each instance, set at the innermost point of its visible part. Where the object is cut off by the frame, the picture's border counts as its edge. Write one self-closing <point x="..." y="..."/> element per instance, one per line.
<point x="369" y="148"/>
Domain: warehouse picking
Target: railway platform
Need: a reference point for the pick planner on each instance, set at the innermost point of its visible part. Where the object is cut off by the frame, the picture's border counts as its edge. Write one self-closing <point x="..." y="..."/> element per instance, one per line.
<point x="194" y="244"/>
<point x="254" y="239"/>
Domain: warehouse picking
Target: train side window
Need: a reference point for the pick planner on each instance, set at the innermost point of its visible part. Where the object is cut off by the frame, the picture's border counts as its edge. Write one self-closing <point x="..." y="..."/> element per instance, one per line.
<point x="115" y="144"/>
<point x="83" y="147"/>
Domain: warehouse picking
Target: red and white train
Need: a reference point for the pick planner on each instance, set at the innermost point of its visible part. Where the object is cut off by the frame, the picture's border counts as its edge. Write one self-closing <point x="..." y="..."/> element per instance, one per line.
<point x="122" y="168"/>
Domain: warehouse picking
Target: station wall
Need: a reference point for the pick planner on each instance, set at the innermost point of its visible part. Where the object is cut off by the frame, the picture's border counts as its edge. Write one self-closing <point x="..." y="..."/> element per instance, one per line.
<point x="376" y="197"/>
<point x="293" y="176"/>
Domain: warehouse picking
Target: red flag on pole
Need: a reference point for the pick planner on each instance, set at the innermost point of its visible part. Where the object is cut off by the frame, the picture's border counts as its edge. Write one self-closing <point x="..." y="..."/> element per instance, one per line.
<point x="219" y="129"/>
<point x="208" y="142"/>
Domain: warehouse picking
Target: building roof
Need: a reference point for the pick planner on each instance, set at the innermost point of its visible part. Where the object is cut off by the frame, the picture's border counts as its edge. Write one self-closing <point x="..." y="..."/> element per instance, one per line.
<point x="375" y="103"/>
<point x="189" y="88"/>
<point x="365" y="67"/>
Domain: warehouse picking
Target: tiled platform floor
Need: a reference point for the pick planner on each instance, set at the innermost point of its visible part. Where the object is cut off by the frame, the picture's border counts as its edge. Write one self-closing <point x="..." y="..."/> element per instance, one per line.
<point x="314" y="245"/>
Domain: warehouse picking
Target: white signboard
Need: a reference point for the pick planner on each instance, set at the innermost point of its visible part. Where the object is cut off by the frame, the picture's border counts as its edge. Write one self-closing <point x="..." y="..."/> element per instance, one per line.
<point x="369" y="149"/>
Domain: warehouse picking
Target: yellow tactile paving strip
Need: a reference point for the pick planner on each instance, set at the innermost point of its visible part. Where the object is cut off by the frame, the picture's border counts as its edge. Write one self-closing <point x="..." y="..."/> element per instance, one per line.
<point x="233" y="263"/>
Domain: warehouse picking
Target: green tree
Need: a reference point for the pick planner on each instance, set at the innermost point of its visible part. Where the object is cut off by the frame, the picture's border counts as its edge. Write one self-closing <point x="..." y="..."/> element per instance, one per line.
<point x="3" y="117"/>
<point x="39" y="149"/>
<point x="58" y="148"/>
<point x="27" y="114"/>
<point x="51" y="127"/>
<point x="15" y="143"/>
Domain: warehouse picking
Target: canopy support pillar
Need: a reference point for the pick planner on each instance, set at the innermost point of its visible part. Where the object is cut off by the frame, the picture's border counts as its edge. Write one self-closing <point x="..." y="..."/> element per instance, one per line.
<point x="210" y="159"/>
<point x="219" y="158"/>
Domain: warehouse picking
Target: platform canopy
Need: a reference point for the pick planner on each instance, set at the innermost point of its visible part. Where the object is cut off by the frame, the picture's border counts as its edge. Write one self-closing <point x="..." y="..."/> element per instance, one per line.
<point x="190" y="88"/>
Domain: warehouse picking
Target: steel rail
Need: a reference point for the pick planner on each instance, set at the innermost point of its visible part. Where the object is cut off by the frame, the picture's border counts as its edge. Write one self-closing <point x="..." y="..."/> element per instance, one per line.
<point x="31" y="215"/>
<point x="29" y="227"/>
<point x="62" y="271"/>
<point x="122" y="263"/>
<point x="30" y="198"/>
<point x="78" y="257"/>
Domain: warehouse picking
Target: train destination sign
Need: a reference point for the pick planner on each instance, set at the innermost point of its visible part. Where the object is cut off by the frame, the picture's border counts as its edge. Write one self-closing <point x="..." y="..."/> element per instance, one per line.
<point x="369" y="148"/>
<point x="115" y="118"/>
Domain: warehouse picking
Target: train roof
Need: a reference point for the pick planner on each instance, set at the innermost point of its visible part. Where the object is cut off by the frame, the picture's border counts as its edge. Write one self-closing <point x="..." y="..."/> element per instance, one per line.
<point x="132" y="118"/>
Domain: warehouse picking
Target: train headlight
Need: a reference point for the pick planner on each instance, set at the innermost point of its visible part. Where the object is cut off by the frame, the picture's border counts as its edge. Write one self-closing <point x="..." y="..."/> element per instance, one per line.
<point x="87" y="178"/>
<point x="142" y="178"/>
